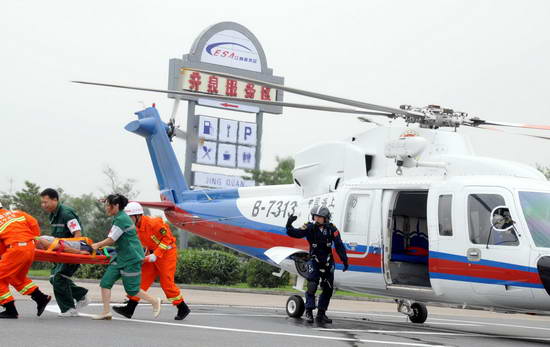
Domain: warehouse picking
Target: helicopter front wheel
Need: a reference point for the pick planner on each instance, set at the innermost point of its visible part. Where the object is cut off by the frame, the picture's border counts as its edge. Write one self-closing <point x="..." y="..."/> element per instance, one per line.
<point x="295" y="306"/>
<point x="416" y="311"/>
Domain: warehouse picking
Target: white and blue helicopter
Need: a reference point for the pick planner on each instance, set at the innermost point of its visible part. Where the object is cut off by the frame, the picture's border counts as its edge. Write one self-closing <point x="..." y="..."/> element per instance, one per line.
<point x="423" y="219"/>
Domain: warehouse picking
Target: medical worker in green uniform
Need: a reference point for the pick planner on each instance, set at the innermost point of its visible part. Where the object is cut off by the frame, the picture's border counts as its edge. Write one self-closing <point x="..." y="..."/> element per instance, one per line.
<point x="65" y="224"/>
<point x="126" y="264"/>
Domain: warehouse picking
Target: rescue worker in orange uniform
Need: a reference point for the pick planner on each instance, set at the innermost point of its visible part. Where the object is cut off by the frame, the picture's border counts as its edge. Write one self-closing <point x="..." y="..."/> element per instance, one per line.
<point x="160" y="261"/>
<point x="17" y="232"/>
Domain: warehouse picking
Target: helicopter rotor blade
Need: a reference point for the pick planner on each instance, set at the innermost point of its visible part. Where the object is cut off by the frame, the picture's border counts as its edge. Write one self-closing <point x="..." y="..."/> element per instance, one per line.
<point x="368" y="120"/>
<point x="475" y="122"/>
<point x="248" y="101"/>
<point x="315" y="95"/>
<point x="507" y="132"/>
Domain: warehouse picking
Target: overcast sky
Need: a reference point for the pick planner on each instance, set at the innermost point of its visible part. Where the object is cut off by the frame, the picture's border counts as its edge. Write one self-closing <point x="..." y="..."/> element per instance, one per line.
<point x="488" y="58"/>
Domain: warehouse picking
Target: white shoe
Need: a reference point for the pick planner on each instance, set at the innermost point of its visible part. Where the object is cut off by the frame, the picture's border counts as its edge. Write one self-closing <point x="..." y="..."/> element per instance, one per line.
<point x="157" y="307"/>
<point x="82" y="303"/>
<point x="103" y="316"/>
<point x="69" y="313"/>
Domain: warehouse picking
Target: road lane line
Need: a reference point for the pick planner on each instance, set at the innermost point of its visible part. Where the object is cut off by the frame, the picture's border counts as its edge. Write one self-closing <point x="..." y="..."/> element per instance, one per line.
<point x="52" y="308"/>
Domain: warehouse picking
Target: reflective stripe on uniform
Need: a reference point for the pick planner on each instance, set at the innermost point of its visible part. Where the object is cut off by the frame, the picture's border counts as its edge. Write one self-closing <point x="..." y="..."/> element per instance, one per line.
<point x="27" y="288"/>
<point x="129" y="228"/>
<point x="154" y="238"/>
<point x="129" y="274"/>
<point x="5" y="296"/>
<point x="179" y="297"/>
<point x="165" y="247"/>
<point x="18" y="219"/>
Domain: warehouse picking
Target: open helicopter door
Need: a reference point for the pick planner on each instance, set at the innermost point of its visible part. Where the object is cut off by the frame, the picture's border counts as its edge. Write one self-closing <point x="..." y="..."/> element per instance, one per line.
<point x="405" y="238"/>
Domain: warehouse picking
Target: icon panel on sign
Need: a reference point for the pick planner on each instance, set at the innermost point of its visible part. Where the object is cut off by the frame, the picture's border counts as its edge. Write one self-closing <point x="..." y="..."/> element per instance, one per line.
<point x="228" y="130"/>
<point x="206" y="153"/>
<point x="246" y="157"/>
<point x="247" y="133"/>
<point x="208" y="128"/>
<point x="227" y="155"/>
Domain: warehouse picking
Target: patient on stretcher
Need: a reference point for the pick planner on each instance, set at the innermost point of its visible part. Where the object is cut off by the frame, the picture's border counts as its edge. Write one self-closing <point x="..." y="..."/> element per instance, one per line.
<point x="75" y="247"/>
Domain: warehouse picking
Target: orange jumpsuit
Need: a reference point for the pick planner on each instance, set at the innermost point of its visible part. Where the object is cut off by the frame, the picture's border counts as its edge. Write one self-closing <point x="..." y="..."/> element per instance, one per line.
<point x="17" y="232"/>
<point x="157" y="238"/>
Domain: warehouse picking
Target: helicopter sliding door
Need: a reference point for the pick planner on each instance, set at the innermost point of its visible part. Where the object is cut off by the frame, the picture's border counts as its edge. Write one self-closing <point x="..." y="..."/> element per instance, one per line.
<point x="406" y="244"/>
<point x="361" y="237"/>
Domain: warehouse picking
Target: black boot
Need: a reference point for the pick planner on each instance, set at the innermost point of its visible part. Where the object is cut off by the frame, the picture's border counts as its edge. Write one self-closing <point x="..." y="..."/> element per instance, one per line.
<point x="322" y="317"/>
<point x="10" y="312"/>
<point x="41" y="300"/>
<point x="309" y="316"/>
<point x="183" y="311"/>
<point x="128" y="310"/>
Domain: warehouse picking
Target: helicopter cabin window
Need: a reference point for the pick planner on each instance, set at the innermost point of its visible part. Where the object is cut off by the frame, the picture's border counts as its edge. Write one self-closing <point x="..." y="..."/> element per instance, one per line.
<point x="357" y="214"/>
<point x="445" y="215"/>
<point x="480" y="228"/>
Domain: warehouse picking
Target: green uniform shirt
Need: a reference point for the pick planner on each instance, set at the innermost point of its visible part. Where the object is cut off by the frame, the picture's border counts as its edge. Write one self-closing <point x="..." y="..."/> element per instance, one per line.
<point x="64" y="221"/>
<point x="127" y="243"/>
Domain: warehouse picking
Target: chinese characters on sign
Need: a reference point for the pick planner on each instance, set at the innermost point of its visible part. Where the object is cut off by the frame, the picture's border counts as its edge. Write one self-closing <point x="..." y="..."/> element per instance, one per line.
<point x="202" y="82"/>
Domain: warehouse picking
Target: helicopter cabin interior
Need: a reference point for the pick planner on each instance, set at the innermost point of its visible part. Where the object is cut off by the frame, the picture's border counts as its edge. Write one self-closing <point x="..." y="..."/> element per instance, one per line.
<point x="409" y="245"/>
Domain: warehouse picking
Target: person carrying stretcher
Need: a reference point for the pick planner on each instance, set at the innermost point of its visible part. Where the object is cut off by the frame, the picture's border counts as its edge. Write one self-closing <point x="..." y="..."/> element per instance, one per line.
<point x="17" y="231"/>
<point x="161" y="260"/>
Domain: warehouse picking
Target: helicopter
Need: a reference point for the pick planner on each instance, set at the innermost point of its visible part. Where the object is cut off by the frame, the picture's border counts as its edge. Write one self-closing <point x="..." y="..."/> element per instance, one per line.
<point x="423" y="219"/>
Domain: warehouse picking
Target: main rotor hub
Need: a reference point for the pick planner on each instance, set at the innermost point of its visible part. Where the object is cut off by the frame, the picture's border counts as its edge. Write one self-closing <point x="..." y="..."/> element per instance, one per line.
<point x="433" y="116"/>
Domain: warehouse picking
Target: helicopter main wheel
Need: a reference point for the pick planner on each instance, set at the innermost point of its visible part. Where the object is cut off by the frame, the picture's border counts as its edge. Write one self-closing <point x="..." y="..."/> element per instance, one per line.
<point x="295" y="306"/>
<point x="419" y="313"/>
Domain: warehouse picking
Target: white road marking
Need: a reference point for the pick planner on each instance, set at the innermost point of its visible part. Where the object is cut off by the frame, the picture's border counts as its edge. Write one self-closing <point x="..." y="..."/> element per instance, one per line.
<point x="436" y="333"/>
<point x="453" y="324"/>
<point x="53" y="308"/>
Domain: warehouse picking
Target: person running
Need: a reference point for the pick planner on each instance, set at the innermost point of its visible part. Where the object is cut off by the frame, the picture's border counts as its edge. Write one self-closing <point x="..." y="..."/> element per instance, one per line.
<point x="126" y="264"/>
<point x="161" y="260"/>
<point x="17" y="231"/>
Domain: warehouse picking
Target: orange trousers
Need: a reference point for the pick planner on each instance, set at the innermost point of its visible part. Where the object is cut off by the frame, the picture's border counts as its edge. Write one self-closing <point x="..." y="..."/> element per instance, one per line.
<point x="165" y="268"/>
<point x="14" y="267"/>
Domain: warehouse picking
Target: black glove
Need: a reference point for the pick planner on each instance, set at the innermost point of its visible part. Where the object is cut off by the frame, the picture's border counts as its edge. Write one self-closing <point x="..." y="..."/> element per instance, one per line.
<point x="346" y="266"/>
<point x="290" y="220"/>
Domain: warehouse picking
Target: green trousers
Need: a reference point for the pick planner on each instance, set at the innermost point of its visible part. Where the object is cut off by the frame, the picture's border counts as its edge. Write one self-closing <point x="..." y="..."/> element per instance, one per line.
<point x="64" y="289"/>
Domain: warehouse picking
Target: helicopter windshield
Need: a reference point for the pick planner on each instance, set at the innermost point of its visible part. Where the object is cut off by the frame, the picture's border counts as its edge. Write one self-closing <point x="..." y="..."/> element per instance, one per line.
<point x="536" y="209"/>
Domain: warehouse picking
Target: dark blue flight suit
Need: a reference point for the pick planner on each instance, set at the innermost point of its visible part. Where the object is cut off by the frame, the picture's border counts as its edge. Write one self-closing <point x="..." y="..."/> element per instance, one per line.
<point x="321" y="237"/>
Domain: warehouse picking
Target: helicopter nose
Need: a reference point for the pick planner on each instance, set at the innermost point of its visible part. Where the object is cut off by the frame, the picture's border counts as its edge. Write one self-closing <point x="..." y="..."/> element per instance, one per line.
<point x="543" y="265"/>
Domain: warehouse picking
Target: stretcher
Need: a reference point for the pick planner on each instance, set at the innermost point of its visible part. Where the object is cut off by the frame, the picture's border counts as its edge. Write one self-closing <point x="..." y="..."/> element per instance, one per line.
<point x="53" y="255"/>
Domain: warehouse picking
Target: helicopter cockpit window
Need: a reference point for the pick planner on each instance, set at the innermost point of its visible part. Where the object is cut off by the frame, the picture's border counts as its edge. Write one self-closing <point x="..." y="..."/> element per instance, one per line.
<point x="536" y="209"/>
<point x="480" y="225"/>
<point x="357" y="214"/>
<point x="445" y="215"/>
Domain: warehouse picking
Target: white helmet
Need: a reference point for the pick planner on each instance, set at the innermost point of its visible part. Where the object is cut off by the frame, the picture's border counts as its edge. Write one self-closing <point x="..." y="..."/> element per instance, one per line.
<point x="1" y="205"/>
<point x="133" y="208"/>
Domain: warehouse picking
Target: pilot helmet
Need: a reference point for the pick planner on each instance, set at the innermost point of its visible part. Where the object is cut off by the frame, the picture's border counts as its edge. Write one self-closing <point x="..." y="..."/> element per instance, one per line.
<point x="321" y="211"/>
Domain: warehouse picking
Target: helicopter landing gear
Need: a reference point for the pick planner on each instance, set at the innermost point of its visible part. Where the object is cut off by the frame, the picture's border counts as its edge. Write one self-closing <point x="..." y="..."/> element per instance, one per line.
<point x="417" y="312"/>
<point x="295" y="306"/>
